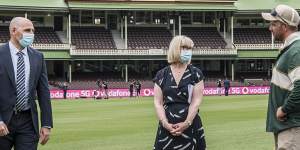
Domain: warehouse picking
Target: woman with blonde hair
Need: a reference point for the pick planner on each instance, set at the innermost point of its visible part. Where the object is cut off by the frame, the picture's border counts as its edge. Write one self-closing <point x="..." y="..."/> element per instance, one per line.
<point x="177" y="96"/>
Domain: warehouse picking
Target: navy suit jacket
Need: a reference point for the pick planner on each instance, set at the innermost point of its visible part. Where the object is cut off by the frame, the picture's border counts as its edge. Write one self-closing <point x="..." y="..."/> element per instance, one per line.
<point x="38" y="86"/>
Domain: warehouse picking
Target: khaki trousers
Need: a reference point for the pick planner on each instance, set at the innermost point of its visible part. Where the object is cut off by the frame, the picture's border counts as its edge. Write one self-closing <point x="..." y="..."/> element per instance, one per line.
<point x="288" y="139"/>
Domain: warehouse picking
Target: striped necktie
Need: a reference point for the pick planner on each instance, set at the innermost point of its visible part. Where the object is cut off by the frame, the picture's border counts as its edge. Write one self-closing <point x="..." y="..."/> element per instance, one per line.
<point x="21" y="96"/>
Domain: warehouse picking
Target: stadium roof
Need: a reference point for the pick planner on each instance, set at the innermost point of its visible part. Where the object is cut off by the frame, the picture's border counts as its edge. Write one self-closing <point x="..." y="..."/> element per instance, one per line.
<point x="162" y="6"/>
<point x="251" y="5"/>
<point x="182" y="5"/>
<point x="34" y="5"/>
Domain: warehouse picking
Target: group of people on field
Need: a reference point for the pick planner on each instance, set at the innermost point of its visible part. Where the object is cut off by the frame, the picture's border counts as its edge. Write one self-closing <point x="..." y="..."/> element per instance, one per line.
<point x="135" y="87"/>
<point x="101" y="86"/>
<point x="226" y="84"/>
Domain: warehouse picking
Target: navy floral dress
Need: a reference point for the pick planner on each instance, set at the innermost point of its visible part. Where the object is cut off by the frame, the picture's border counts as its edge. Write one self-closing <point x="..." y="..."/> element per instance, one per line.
<point x="177" y="99"/>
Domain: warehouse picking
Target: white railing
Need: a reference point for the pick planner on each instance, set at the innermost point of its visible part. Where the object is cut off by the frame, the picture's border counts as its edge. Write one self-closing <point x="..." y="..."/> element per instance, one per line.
<point x="115" y="52"/>
<point x="257" y="46"/>
<point x="214" y="52"/>
<point x="49" y="46"/>
<point x="120" y="52"/>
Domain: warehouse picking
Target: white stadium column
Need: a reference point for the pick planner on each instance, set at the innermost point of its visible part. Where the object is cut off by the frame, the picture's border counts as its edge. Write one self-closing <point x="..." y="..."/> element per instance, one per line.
<point x="106" y="20"/>
<point x="272" y="40"/>
<point x="122" y="27"/>
<point x="69" y="33"/>
<point x="68" y="29"/>
<point x="80" y="18"/>
<point x="179" y="24"/>
<point x="174" y="30"/>
<point x="224" y="28"/>
<point x="232" y="31"/>
<point x="126" y="73"/>
<point x="126" y="45"/>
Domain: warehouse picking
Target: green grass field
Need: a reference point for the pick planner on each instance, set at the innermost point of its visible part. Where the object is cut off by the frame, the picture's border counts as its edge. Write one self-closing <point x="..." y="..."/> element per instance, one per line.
<point x="231" y="123"/>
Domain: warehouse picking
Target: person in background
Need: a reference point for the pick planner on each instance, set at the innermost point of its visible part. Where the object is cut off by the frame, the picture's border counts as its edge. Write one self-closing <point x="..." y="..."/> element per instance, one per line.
<point x="283" y="115"/>
<point x="99" y="85"/>
<point x="219" y="87"/>
<point x="131" y="89"/>
<point x="138" y="88"/>
<point x="95" y="94"/>
<point x="226" y="86"/>
<point x="178" y="93"/>
<point x="105" y="87"/>
<point x="65" y="89"/>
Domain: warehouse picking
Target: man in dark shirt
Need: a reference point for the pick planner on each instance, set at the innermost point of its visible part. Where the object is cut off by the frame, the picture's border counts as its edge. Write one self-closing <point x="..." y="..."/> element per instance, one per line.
<point x="226" y="86"/>
<point x="105" y="87"/>
<point x="98" y="82"/>
<point x="219" y="85"/>
<point x="99" y="85"/>
<point x="65" y="89"/>
<point x="131" y="89"/>
<point x="138" y="88"/>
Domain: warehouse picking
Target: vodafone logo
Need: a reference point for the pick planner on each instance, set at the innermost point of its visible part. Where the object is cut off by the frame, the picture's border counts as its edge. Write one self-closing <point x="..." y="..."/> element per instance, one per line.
<point x="245" y="90"/>
<point x="148" y="92"/>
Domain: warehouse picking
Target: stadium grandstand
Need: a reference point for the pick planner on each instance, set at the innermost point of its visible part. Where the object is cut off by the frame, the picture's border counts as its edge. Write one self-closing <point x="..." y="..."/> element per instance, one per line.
<point x="123" y="40"/>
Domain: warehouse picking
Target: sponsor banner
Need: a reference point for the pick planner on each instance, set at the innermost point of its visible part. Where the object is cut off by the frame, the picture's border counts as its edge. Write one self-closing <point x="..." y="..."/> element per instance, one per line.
<point x="96" y="93"/>
<point x="244" y="90"/>
<point x="73" y="94"/>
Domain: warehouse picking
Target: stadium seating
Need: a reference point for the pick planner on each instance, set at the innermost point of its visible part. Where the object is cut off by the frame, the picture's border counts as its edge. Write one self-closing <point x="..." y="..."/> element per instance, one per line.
<point x="92" y="38"/>
<point x="46" y="35"/>
<point x="4" y="34"/>
<point x="148" y="38"/>
<point x="205" y="37"/>
<point x="43" y="35"/>
<point x="252" y="36"/>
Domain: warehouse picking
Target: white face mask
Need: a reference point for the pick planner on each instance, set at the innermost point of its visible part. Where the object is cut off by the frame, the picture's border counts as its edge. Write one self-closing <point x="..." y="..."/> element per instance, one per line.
<point x="26" y="40"/>
<point x="186" y="56"/>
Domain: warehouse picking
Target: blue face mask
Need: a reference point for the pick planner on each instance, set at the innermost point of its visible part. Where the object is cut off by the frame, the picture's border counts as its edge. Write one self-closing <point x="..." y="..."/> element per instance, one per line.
<point x="185" y="56"/>
<point x="27" y="39"/>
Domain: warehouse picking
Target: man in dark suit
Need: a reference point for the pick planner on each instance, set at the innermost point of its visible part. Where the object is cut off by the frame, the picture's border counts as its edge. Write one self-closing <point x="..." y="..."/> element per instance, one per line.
<point x="23" y="76"/>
